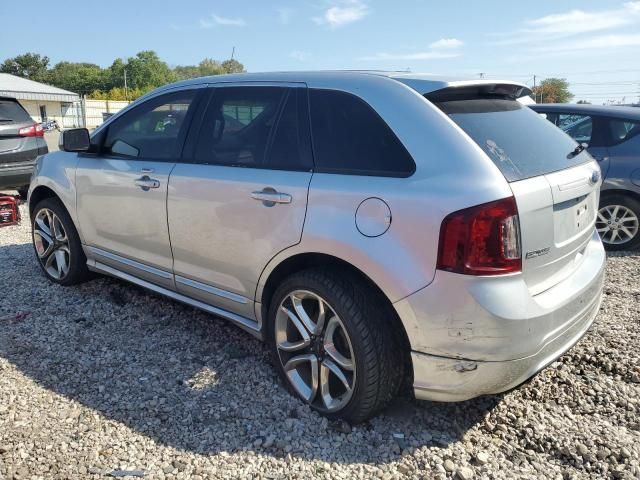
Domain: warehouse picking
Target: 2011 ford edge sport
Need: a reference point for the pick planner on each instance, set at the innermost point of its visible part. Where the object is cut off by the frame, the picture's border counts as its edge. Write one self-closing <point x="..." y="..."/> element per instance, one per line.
<point x="374" y="229"/>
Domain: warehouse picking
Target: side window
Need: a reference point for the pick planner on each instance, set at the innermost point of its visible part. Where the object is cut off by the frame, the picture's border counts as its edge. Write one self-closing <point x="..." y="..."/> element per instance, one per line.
<point x="623" y="130"/>
<point x="579" y="127"/>
<point x="152" y="130"/>
<point x="349" y="137"/>
<point x="255" y="127"/>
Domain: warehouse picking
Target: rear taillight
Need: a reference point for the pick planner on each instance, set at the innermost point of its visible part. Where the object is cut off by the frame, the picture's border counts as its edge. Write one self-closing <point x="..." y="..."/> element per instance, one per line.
<point x="34" y="130"/>
<point x="481" y="240"/>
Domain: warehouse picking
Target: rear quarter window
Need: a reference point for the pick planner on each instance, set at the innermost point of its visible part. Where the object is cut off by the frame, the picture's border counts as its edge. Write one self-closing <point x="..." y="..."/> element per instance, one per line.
<point x="12" y="112"/>
<point x="519" y="141"/>
<point x="623" y="130"/>
<point x="349" y="137"/>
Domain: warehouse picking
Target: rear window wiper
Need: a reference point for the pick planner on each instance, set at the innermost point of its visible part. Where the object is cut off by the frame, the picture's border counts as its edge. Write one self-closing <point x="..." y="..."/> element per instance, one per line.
<point x="578" y="150"/>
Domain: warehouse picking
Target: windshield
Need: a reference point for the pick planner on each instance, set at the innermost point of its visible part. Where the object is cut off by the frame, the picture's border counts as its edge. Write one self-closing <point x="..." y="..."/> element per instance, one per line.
<point x="520" y="142"/>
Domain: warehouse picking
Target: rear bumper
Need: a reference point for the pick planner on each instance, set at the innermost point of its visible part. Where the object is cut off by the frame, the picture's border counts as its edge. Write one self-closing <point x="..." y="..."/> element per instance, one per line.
<point x="451" y="380"/>
<point x="13" y="177"/>
<point x="476" y="336"/>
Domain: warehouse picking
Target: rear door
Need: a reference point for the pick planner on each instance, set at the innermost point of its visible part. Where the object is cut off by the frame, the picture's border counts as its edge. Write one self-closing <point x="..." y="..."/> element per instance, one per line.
<point x="556" y="187"/>
<point x="240" y="194"/>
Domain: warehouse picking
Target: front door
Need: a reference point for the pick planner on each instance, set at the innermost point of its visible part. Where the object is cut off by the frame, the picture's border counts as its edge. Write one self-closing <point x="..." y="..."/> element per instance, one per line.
<point x="122" y="191"/>
<point x="241" y="195"/>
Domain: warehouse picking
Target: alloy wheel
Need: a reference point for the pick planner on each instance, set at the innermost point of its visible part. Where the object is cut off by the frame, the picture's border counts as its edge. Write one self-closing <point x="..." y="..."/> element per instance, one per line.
<point x="617" y="224"/>
<point x="315" y="350"/>
<point x="51" y="243"/>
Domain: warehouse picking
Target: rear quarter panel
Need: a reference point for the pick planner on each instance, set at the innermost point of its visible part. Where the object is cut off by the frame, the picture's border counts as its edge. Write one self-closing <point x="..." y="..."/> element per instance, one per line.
<point x="452" y="173"/>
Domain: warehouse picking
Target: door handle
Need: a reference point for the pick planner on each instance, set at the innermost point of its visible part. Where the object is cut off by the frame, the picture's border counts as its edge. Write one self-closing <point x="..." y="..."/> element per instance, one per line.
<point x="145" y="183"/>
<point x="269" y="197"/>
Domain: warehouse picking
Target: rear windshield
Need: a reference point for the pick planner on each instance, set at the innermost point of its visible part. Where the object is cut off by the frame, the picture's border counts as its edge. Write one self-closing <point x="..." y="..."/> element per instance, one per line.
<point x="519" y="141"/>
<point x="11" y="111"/>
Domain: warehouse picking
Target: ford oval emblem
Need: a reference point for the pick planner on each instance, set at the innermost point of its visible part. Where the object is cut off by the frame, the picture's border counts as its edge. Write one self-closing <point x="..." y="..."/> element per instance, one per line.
<point x="595" y="177"/>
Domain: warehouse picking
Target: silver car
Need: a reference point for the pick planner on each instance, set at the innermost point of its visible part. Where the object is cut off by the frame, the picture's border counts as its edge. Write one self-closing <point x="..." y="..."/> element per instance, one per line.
<point x="376" y="230"/>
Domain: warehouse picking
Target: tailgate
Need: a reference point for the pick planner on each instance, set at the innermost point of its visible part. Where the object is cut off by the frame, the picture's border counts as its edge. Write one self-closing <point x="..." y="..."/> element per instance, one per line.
<point x="12" y="118"/>
<point x="10" y="140"/>
<point x="553" y="181"/>
<point x="557" y="216"/>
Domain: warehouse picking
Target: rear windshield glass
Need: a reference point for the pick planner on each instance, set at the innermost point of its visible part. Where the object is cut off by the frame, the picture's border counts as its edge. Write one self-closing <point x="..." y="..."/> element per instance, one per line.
<point x="519" y="141"/>
<point x="11" y="111"/>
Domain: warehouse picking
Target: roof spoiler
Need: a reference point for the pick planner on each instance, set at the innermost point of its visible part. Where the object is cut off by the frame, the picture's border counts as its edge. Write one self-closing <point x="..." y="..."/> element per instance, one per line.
<point x="474" y="90"/>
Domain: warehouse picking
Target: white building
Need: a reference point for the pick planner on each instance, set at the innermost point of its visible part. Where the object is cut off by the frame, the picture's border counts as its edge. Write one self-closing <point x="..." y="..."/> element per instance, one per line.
<point x="43" y="102"/>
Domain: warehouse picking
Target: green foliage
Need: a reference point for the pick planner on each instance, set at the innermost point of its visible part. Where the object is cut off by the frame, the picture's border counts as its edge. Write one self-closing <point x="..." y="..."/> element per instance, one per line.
<point x="232" y="66"/>
<point x="553" y="90"/>
<point x="119" y="93"/>
<point x="29" y="65"/>
<point x="205" y="68"/>
<point x="77" y="77"/>
<point x="145" y="71"/>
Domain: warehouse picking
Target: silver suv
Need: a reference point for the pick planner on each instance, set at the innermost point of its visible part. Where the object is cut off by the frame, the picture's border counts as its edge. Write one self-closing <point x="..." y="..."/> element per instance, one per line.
<point x="374" y="229"/>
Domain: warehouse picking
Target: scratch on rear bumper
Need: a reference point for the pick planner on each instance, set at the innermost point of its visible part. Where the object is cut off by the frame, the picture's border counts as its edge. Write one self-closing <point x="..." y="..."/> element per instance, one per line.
<point x="448" y="380"/>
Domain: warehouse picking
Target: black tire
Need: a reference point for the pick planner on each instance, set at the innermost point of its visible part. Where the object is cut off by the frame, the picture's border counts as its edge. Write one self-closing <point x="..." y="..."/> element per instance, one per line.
<point x="23" y="191"/>
<point x="77" y="261"/>
<point x="377" y="348"/>
<point x="625" y="201"/>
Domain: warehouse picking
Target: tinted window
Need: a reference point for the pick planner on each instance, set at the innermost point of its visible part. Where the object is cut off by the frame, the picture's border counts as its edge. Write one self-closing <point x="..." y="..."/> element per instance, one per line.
<point x="151" y="130"/>
<point x="623" y="130"/>
<point x="11" y="111"/>
<point x="350" y="137"/>
<point x="519" y="141"/>
<point x="578" y="127"/>
<point x="257" y="127"/>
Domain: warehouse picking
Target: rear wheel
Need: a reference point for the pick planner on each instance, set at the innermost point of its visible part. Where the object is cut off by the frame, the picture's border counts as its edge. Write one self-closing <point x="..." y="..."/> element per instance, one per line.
<point x="618" y="222"/>
<point x="333" y="346"/>
<point x="57" y="244"/>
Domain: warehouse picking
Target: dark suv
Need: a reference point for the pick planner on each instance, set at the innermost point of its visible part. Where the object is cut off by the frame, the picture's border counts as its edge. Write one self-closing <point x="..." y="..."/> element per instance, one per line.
<point x="21" y="141"/>
<point x="612" y="136"/>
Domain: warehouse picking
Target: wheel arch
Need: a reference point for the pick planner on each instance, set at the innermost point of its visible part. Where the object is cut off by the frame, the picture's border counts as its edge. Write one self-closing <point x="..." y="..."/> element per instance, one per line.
<point x="304" y="261"/>
<point x="619" y="191"/>
<point x="40" y="193"/>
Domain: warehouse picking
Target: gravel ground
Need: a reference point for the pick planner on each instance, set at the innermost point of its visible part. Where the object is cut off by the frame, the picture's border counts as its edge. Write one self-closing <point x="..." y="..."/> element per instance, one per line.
<point x="107" y="379"/>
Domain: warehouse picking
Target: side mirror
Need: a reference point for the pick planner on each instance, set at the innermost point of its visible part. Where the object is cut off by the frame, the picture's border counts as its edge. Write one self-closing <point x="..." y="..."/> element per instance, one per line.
<point x="74" y="140"/>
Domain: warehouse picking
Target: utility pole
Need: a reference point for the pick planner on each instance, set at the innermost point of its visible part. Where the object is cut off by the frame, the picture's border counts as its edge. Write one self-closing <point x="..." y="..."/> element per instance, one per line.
<point x="233" y="52"/>
<point x="535" y="95"/>
<point x="481" y="75"/>
<point x="126" y="91"/>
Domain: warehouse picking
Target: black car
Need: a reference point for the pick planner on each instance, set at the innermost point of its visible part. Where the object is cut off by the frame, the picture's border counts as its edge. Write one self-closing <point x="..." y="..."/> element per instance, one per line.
<point x="21" y="141"/>
<point x="612" y="136"/>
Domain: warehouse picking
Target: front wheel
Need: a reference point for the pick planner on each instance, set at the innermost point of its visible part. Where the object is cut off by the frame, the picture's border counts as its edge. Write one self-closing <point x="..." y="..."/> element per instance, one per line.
<point x="618" y="222"/>
<point x="57" y="244"/>
<point x="331" y="341"/>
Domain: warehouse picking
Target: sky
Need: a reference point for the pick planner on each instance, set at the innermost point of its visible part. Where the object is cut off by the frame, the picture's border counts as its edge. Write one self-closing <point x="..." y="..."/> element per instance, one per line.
<point x="593" y="44"/>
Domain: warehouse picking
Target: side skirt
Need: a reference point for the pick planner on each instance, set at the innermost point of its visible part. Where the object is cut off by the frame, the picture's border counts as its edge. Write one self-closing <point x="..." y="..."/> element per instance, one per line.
<point x="246" y="324"/>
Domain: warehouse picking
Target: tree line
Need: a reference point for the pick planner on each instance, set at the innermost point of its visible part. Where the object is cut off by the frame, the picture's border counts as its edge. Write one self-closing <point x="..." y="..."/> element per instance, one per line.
<point x="144" y="72"/>
<point x="553" y="90"/>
